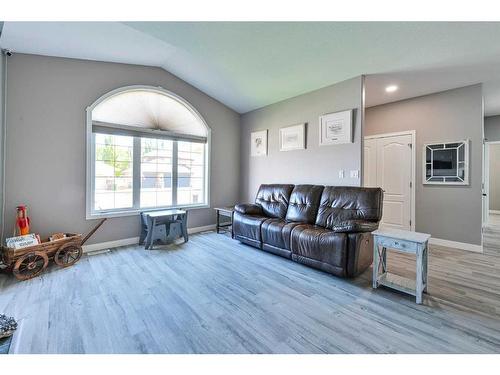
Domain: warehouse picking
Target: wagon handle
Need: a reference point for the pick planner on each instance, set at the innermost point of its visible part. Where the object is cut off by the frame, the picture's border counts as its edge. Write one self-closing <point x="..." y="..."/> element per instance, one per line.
<point x="93" y="231"/>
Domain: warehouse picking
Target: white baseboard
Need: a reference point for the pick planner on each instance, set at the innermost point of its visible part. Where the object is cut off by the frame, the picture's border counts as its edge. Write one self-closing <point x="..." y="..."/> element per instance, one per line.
<point x="135" y="240"/>
<point x="495" y="212"/>
<point x="201" y="229"/>
<point x="110" y="244"/>
<point x="456" y="245"/>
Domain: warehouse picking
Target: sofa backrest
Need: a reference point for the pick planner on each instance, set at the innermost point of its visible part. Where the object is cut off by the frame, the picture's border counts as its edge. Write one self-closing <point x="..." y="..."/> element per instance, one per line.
<point x="273" y="199"/>
<point x="342" y="203"/>
<point x="304" y="203"/>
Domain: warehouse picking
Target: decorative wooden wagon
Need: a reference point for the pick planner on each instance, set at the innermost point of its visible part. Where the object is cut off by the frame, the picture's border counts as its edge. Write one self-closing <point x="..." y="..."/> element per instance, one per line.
<point x="30" y="261"/>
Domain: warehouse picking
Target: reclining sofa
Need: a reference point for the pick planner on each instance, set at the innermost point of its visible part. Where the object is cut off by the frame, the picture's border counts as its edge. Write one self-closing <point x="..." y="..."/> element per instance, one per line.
<point x="325" y="227"/>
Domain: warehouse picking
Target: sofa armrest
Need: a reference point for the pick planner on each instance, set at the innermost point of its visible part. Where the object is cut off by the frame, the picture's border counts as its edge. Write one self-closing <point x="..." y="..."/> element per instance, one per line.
<point x="249" y="209"/>
<point x="353" y="226"/>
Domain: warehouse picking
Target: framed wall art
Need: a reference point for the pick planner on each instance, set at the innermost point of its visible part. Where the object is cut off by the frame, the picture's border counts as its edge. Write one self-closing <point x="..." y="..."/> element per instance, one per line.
<point x="335" y="128"/>
<point x="293" y="137"/>
<point x="258" y="143"/>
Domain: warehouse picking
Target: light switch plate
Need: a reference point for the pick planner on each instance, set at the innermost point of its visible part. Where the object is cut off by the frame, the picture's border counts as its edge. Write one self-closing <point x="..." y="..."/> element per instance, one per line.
<point x="355" y="174"/>
<point x="341" y="173"/>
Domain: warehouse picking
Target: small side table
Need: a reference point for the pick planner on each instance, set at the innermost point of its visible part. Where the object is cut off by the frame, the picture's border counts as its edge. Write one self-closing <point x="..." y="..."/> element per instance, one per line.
<point x="163" y="217"/>
<point x="407" y="242"/>
<point x="221" y="226"/>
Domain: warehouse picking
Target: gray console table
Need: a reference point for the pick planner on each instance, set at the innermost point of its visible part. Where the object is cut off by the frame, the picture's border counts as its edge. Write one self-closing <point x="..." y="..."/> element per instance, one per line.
<point x="153" y="219"/>
<point x="407" y="242"/>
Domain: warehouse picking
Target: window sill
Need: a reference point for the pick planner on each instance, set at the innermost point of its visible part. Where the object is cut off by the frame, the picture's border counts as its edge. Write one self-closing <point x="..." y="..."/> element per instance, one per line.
<point x="111" y="214"/>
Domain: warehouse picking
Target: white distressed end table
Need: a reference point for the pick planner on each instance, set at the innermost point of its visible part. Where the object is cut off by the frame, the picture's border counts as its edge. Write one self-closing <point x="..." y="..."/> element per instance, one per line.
<point x="407" y="242"/>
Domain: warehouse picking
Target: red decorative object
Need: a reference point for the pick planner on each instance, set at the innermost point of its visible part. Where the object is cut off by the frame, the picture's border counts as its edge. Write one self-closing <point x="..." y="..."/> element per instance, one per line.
<point x="22" y="221"/>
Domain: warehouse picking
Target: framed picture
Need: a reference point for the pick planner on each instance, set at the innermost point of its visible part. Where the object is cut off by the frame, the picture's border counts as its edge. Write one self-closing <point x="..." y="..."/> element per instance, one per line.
<point x="258" y="143"/>
<point x="293" y="137"/>
<point x="446" y="163"/>
<point x="335" y="128"/>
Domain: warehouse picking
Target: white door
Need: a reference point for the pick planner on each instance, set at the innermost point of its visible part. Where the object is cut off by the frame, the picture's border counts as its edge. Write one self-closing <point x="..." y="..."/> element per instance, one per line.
<point x="486" y="183"/>
<point x="390" y="167"/>
<point x="370" y="163"/>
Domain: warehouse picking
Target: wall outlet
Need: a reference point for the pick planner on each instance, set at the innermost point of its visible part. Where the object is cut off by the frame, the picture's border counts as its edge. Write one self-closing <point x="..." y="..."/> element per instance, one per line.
<point x="341" y="173"/>
<point x="355" y="174"/>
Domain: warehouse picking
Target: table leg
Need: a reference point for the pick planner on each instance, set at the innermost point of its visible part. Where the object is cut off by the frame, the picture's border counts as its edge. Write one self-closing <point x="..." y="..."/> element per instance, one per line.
<point x="149" y="236"/>
<point x="384" y="259"/>
<point x="420" y="273"/>
<point x="375" y="263"/>
<point x="184" y="227"/>
<point x="217" y="223"/>
<point x="426" y="266"/>
<point x="232" y="221"/>
<point x="144" y="233"/>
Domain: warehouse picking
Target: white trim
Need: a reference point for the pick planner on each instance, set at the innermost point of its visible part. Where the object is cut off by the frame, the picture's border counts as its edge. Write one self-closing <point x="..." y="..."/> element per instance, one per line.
<point x="485" y="188"/>
<point x="205" y="228"/>
<point x="495" y="212"/>
<point x="486" y="181"/>
<point x="135" y="240"/>
<point x="413" y="189"/>
<point x="388" y="135"/>
<point x="110" y="244"/>
<point x="132" y="212"/>
<point x="456" y="245"/>
<point x="89" y="204"/>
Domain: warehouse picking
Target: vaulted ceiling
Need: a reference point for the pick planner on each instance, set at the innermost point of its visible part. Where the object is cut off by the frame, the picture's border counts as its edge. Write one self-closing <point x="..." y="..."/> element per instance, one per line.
<point x="250" y="65"/>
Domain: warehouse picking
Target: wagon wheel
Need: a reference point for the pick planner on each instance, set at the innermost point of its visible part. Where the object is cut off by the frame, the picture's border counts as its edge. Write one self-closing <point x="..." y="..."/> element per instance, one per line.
<point x="30" y="265"/>
<point x="68" y="254"/>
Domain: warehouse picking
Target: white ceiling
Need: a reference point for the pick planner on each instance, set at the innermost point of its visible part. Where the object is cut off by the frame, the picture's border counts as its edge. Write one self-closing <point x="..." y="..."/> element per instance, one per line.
<point x="250" y="65"/>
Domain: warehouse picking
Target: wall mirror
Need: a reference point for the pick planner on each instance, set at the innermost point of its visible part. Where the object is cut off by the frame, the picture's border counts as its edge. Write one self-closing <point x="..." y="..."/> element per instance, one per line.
<point x="446" y="163"/>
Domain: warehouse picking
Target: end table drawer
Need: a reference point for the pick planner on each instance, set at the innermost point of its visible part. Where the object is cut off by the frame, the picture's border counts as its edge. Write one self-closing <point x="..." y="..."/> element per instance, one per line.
<point x="397" y="244"/>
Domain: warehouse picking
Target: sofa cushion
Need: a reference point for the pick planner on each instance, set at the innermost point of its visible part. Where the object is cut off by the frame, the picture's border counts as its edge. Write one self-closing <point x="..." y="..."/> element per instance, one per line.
<point x="249" y="209"/>
<point x="341" y="204"/>
<point x="276" y="232"/>
<point x="304" y="203"/>
<point x="319" y="244"/>
<point x="248" y="227"/>
<point x="274" y="199"/>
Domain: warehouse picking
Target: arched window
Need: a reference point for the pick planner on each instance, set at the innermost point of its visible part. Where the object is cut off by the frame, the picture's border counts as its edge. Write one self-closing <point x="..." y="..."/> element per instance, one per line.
<point x="147" y="148"/>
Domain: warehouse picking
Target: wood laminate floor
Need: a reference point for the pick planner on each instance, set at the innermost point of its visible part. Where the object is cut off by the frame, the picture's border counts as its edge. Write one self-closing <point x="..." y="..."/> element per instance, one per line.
<point x="214" y="295"/>
<point x="491" y="235"/>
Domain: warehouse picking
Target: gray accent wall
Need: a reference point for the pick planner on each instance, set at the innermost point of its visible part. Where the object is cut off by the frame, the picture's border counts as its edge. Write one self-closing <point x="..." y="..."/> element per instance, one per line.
<point x="314" y="165"/>
<point x="446" y="212"/>
<point x="492" y="128"/>
<point x="2" y="131"/>
<point x="46" y="103"/>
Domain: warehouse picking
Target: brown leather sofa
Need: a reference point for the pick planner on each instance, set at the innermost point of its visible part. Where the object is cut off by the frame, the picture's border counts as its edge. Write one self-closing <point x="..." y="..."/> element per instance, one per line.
<point x="325" y="227"/>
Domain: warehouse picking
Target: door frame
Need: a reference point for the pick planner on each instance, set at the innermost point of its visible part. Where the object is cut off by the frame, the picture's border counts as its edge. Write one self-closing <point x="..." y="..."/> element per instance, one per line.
<point x="486" y="186"/>
<point x="413" y="188"/>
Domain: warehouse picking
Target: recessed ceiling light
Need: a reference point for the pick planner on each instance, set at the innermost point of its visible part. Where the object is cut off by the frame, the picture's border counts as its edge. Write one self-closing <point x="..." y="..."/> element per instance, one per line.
<point x="391" y="88"/>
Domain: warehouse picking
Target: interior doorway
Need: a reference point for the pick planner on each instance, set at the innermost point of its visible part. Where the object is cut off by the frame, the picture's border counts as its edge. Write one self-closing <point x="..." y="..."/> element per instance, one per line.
<point x="389" y="163"/>
<point x="492" y="184"/>
<point x="491" y="198"/>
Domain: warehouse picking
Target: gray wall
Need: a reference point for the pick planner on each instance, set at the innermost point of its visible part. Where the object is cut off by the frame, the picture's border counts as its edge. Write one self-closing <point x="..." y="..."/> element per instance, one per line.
<point x="446" y="212"/>
<point x="2" y="129"/>
<point x="45" y="168"/>
<point x="492" y="128"/>
<point x="315" y="164"/>
<point x="494" y="190"/>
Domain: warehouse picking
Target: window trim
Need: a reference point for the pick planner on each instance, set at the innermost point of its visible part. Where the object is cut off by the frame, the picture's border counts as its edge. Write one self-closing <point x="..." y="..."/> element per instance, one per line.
<point x="90" y="157"/>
